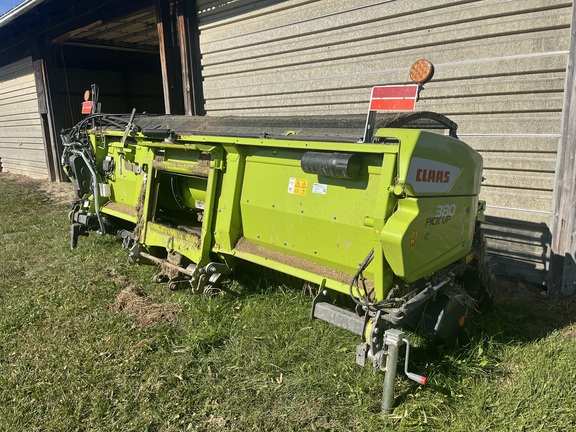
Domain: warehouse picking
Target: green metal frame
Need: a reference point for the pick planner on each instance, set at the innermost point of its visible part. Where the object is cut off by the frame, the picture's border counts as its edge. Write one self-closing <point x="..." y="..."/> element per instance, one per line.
<point x="320" y="231"/>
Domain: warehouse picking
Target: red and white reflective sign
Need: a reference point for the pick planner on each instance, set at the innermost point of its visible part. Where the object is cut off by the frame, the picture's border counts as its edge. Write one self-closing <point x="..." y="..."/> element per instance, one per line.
<point x="87" y="107"/>
<point x="394" y="98"/>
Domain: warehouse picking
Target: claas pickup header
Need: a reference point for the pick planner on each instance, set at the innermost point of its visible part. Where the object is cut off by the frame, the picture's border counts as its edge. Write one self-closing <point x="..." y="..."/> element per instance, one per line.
<point x="380" y="213"/>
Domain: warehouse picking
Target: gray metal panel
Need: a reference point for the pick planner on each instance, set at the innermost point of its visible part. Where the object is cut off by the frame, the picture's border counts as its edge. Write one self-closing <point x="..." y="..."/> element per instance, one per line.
<point x="21" y="139"/>
<point x="500" y="71"/>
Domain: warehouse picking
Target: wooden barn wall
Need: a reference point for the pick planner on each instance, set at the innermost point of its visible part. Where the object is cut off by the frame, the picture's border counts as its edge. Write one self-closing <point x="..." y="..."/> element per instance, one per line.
<point x="21" y="139"/>
<point x="500" y="71"/>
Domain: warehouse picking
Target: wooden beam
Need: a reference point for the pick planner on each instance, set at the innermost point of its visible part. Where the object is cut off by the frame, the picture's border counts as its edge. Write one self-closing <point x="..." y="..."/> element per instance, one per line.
<point x="52" y="20"/>
<point x="113" y="46"/>
<point x="43" y="111"/>
<point x="185" y="65"/>
<point x="189" y="39"/>
<point x="169" y="59"/>
<point x="562" y="271"/>
<point x="73" y="33"/>
<point x="52" y="146"/>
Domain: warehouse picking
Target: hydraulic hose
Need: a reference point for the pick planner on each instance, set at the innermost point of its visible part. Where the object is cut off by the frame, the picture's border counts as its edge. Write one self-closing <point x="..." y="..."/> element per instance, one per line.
<point x="94" y="188"/>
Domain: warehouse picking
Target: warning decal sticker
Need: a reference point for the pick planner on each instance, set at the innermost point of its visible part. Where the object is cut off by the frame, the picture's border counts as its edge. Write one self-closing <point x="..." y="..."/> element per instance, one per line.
<point x="297" y="186"/>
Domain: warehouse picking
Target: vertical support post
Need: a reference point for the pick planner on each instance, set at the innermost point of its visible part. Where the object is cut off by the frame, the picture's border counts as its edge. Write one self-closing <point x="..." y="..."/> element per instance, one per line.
<point x="43" y="111"/>
<point x="562" y="270"/>
<point x="369" y="128"/>
<point x="190" y="55"/>
<point x="228" y="225"/>
<point x="169" y="59"/>
<point x="48" y="105"/>
<point x="393" y="339"/>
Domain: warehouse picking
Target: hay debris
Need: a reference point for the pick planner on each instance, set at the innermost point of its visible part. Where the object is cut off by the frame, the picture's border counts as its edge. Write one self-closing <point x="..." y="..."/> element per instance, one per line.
<point x="134" y="301"/>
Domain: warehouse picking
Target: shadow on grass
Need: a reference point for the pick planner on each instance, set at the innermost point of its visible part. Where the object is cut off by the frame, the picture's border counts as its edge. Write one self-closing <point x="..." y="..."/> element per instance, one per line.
<point x="523" y="313"/>
<point x="520" y="314"/>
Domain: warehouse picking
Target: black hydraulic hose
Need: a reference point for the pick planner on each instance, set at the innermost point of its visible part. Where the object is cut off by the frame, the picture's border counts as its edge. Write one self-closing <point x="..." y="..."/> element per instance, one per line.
<point x="94" y="188"/>
<point x="364" y="301"/>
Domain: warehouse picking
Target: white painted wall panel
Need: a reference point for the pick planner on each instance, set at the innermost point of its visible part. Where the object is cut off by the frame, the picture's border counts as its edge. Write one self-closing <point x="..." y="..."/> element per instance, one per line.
<point x="500" y="71"/>
<point x="21" y="139"/>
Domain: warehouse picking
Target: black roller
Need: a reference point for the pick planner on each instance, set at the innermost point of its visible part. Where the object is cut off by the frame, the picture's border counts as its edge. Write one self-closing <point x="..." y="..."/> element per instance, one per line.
<point x="157" y="133"/>
<point x="335" y="165"/>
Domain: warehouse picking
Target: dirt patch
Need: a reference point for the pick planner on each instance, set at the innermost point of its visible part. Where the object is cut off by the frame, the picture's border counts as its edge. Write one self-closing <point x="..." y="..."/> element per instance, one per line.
<point x="570" y="332"/>
<point x="145" y="313"/>
<point x="511" y="289"/>
<point x="58" y="193"/>
<point x="553" y="313"/>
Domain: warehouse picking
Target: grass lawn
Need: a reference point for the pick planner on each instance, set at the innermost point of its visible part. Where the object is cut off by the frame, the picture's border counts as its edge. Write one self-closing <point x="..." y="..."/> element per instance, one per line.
<point x="245" y="361"/>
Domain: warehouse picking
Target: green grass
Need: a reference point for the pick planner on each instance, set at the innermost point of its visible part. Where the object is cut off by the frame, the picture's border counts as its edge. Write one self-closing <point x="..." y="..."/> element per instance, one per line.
<point x="248" y="361"/>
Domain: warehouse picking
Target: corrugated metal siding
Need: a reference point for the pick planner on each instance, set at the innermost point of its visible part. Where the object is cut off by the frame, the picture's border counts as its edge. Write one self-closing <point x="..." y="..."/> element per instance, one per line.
<point x="500" y="68"/>
<point x="21" y="140"/>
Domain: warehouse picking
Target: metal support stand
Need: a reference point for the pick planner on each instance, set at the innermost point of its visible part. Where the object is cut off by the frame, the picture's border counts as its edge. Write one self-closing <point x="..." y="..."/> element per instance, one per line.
<point x="392" y="340"/>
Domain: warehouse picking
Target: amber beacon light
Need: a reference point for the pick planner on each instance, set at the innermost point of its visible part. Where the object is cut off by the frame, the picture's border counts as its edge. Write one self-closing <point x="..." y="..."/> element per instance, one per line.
<point x="422" y="71"/>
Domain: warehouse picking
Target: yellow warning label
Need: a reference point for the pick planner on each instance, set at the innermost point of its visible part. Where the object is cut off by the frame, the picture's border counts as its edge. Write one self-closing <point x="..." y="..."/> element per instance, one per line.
<point x="414" y="239"/>
<point x="300" y="187"/>
<point x="297" y="186"/>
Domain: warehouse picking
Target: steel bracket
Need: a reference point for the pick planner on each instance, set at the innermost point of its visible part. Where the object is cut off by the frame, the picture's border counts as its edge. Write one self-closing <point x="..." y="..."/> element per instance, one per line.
<point x="207" y="277"/>
<point x="377" y="342"/>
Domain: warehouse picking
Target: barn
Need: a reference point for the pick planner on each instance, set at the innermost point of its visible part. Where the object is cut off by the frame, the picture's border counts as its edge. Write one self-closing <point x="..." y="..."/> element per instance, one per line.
<point x="504" y="74"/>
